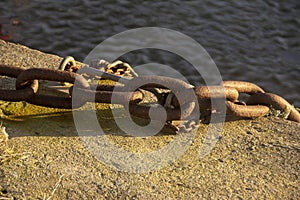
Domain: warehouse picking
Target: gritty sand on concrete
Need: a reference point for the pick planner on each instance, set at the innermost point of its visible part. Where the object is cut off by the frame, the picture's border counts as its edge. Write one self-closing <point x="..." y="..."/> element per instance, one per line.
<point x="44" y="158"/>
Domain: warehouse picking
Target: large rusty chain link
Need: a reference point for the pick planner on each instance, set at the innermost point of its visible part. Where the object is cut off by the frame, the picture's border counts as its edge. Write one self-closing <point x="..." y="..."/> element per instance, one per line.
<point x="258" y="103"/>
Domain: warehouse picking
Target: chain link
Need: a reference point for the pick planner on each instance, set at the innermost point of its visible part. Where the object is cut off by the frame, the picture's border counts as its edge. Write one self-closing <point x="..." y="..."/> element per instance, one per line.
<point x="178" y="112"/>
<point x="24" y="92"/>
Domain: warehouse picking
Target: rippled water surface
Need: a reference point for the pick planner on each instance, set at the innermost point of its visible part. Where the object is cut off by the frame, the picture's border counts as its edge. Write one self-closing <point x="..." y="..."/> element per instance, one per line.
<point x="256" y="41"/>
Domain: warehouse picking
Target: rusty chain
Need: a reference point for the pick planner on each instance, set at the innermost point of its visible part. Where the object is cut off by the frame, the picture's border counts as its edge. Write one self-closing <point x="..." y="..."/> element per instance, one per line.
<point x="258" y="104"/>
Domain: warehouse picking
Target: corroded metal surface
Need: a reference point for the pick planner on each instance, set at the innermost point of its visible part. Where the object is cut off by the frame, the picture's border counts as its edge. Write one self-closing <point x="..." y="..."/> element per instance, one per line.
<point x="179" y="99"/>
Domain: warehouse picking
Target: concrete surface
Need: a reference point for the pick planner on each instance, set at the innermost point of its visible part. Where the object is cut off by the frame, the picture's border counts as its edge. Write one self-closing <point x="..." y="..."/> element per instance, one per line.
<point x="45" y="159"/>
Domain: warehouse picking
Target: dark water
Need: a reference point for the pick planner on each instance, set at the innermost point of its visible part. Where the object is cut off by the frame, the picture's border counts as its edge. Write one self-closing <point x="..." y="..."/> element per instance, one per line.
<point x="256" y="41"/>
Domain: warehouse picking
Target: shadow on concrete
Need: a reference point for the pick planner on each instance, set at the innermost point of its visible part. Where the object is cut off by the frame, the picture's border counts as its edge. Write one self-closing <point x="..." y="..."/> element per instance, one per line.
<point x="56" y="124"/>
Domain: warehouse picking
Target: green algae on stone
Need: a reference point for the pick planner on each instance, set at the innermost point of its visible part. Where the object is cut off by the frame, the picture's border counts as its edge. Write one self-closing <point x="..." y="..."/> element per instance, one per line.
<point x="24" y="109"/>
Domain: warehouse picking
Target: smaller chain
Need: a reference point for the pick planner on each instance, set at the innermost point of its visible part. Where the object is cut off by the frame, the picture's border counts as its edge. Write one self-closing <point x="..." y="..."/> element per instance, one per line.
<point x="118" y="68"/>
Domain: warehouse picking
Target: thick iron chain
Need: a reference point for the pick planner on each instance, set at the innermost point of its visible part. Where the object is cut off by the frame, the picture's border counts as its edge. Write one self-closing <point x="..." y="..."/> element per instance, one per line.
<point x="258" y="103"/>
